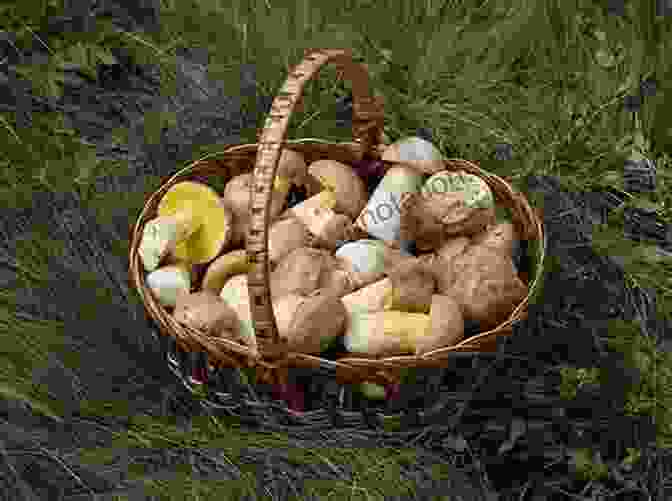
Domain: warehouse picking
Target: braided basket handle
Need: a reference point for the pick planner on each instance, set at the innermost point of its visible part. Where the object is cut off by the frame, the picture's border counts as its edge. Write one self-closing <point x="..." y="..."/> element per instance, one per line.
<point x="367" y="125"/>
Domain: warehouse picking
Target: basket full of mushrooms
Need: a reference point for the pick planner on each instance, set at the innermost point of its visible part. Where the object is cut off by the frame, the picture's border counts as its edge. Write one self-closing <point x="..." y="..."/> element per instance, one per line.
<point x="359" y="258"/>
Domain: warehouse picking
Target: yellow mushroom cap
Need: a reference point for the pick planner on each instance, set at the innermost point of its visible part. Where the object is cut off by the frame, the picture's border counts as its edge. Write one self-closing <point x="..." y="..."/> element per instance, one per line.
<point x="223" y="268"/>
<point x="207" y="212"/>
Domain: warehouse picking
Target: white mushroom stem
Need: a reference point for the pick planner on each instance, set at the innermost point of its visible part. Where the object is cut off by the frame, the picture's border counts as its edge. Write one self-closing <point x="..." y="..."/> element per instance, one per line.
<point x="168" y="283"/>
<point x="162" y="234"/>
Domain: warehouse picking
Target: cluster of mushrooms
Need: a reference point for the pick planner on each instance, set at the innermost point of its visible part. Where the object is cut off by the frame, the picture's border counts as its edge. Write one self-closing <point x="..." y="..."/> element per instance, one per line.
<point x="381" y="297"/>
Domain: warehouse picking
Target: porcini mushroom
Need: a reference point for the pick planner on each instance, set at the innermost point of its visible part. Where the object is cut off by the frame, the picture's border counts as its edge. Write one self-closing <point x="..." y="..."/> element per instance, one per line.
<point x="168" y="283"/>
<point x="236" y="295"/>
<point x="446" y="325"/>
<point x="368" y="299"/>
<point x="415" y="152"/>
<point x="432" y="218"/>
<point x="292" y="169"/>
<point x="224" y="267"/>
<point x="192" y="224"/>
<point x="338" y="278"/>
<point x="440" y="262"/>
<point x="317" y="214"/>
<point x="501" y="236"/>
<point x="453" y="247"/>
<point x="413" y="285"/>
<point x="284" y="236"/>
<point x="474" y="190"/>
<point x="349" y="189"/>
<point x="486" y="286"/>
<point x="236" y="198"/>
<point x="207" y="312"/>
<point x="310" y="323"/>
<point x="370" y="258"/>
<point x="381" y="216"/>
<point x="390" y="333"/>
<point x="299" y="272"/>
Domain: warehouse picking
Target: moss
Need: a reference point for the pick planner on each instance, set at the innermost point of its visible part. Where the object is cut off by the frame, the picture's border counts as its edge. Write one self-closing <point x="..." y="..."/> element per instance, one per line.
<point x="574" y="378"/>
<point x="588" y="466"/>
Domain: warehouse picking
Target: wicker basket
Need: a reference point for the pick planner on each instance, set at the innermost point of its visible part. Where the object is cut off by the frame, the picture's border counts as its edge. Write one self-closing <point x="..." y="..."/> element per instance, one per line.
<point x="274" y="360"/>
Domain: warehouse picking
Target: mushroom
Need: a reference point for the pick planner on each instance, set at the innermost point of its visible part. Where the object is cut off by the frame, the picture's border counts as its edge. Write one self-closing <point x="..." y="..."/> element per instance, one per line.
<point x="317" y="214"/>
<point x="446" y="325"/>
<point x="450" y="204"/>
<point x="369" y="259"/>
<point x="501" y="236"/>
<point x="486" y="286"/>
<point x="413" y="285"/>
<point x="192" y="224"/>
<point x="299" y="272"/>
<point x="300" y="319"/>
<point x="235" y="293"/>
<point x="474" y="190"/>
<point x="415" y="152"/>
<point x="453" y="247"/>
<point x="431" y="218"/>
<point x="368" y="299"/>
<point x="381" y="216"/>
<point x="284" y="236"/>
<point x="349" y="189"/>
<point x="168" y="283"/>
<point x="440" y="262"/>
<point x="207" y="312"/>
<point x="237" y="199"/>
<point x="223" y="268"/>
<point x="391" y="333"/>
<point x="292" y="169"/>
<point x="310" y="323"/>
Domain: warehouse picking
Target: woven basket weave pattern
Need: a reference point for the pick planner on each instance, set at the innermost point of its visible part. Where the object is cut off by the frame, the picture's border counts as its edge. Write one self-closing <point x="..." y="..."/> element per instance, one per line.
<point x="261" y="159"/>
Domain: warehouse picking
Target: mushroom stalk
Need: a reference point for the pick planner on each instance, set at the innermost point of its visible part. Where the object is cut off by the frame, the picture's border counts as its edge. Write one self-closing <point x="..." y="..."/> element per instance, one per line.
<point x="389" y="333"/>
<point x="162" y="234"/>
<point x="386" y="333"/>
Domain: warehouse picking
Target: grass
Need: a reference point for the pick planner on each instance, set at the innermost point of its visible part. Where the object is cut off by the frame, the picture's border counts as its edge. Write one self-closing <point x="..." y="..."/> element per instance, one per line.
<point x="547" y="77"/>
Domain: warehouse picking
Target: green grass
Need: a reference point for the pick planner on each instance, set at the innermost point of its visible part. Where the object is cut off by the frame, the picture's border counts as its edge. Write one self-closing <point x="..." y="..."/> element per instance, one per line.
<point x="548" y="77"/>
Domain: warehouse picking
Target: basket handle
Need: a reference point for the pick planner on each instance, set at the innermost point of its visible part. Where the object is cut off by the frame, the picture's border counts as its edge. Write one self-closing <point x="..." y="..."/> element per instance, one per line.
<point x="367" y="126"/>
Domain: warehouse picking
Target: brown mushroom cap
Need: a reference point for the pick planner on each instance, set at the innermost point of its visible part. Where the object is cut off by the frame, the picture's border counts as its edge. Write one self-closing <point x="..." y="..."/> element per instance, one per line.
<point x="207" y="312"/>
<point x="500" y="236"/>
<point x="432" y="218"/>
<point x="486" y="286"/>
<point x="292" y="167"/>
<point x="317" y="214"/>
<point x="299" y="272"/>
<point x="338" y="277"/>
<point x="440" y="262"/>
<point x="237" y="199"/>
<point x="453" y="247"/>
<point x="413" y="285"/>
<point x="315" y="322"/>
<point x="285" y="235"/>
<point x="350" y="190"/>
